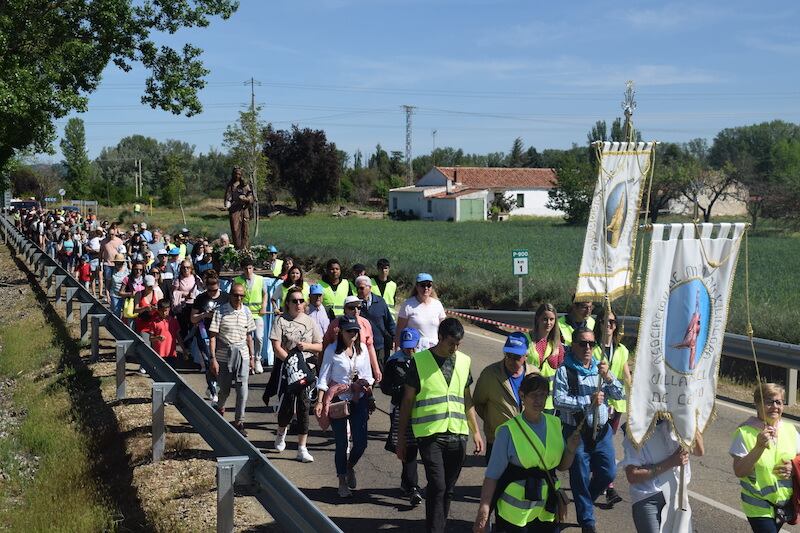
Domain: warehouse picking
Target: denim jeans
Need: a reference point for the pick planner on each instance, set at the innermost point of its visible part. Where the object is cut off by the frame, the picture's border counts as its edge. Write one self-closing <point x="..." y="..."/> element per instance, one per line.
<point x="358" y="430"/>
<point x="764" y="525"/>
<point x="647" y="513"/>
<point x="593" y="468"/>
<point x="443" y="457"/>
<point x="201" y="338"/>
<point x="116" y="305"/>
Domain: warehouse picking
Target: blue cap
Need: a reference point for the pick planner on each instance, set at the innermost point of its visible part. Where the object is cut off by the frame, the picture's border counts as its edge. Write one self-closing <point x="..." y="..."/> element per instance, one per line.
<point x="409" y="338"/>
<point x="315" y="289"/>
<point x="424" y="276"/>
<point x="174" y="251"/>
<point x="271" y="249"/>
<point x="516" y="344"/>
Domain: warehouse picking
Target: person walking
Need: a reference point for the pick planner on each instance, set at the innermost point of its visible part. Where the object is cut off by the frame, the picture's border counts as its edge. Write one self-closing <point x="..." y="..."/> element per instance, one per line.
<point x="239" y="201"/>
<point x="335" y="289"/>
<point x="185" y="289"/>
<point x="374" y="309"/>
<point x="294" y="278"/>
<point x="274" y="265"/>
<point x="579" y="316"/>
<point x="422" y="311"/>
<point x="256" y="299"/>
<point x="202" y="312"/>
<point x="346" y="376"/>
<point x="384" y="286"/>
<point x="164" y="334"/>
<point x="232" y="354"/>
<point x="580" y="401"/>
<point x="520" y="478"/>
<point x="497" y="396"/>
<point x="352" y="308"/>
<point x="763" y="449"/>
<point x="292" y="330"/>
<point x="438" y="405"/>
<point x="545" y="349"/>
<point x="315" y="309"/>
<point x="393" y="385"/>
<point x="115" y="284"/>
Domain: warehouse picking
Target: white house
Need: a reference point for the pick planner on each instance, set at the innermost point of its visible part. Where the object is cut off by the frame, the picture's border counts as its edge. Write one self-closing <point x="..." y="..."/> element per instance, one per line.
<point x="440" y="203"/>
<point x="528" y="186"/>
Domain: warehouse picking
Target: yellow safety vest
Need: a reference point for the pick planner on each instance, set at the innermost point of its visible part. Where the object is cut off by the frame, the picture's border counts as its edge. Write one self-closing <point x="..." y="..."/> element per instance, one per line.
<point x="567" y="330"/>
<point x="253" y="294"/>
<point x="182" y="252"/>
<point x="545" y="370"/>
<point x="762" y="487"/>
<point x="285" y="291"/>
<point x="439" y="407"/>
<point x="335" y="300"/>
<point x="389" y="292"/>
<point x="617" y="363"/>
<point x="277" y="267"/>
<point x="512" y="505"/>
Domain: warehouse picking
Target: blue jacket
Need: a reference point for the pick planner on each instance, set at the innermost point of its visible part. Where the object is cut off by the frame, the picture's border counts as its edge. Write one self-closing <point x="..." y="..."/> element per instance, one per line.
<point x="568" y="405"/>
<point x="381" y="320"/>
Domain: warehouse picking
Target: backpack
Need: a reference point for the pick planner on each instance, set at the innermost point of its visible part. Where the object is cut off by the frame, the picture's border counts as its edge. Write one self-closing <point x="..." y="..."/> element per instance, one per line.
<point x="297" y="375"/>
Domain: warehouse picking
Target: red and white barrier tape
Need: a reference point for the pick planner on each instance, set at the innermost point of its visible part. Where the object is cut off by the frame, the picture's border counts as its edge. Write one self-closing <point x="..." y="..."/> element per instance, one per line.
<point x="486" y="321"/>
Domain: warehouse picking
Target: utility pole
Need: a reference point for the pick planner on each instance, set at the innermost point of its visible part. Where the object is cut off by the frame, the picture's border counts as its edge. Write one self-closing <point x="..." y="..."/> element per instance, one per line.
<point x="628" y="105"/>
<point x="409" y="109"/>
<point x="253" y="183"/>
<point x="433" y="151"/>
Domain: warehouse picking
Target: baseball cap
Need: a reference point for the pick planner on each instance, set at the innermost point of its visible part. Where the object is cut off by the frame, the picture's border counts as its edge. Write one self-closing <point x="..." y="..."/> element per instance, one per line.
<point x="121" y="249"/>
<point x="163" y="251"/>
<point x="424" y="276"/>
<point x="315" y="289"/>
<point x="516" y="344"/>
<point x="351" y="300"/>
<point x="149" y="281"/>
<point x="185" y="231"/>
<point x="271" y="249"/>
<point x="409" y="338"/>
<point x="348" y="323"/>
<point x="175" y="251"/>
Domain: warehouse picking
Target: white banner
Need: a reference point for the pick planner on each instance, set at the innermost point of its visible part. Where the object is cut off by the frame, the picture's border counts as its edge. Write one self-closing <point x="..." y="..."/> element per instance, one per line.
<point x="684" y="313"/>
<point x="607" y="263"/>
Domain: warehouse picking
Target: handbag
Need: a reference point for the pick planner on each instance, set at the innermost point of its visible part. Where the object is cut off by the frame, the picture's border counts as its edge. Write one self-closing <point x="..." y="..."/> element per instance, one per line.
<point x="559" y="506"/>
<point x="296" y="371"/>
<point x="340" y="409"/>
<point x="128" y="309"/>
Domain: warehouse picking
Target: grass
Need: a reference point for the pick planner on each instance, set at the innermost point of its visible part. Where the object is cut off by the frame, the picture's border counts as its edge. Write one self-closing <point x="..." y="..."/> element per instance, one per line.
<point x="62" y="496"/>
<point x="471" y="261"/>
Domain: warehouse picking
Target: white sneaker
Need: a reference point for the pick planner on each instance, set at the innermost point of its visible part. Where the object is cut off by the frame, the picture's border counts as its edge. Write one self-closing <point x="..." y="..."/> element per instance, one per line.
<point x="259" y="367"/>
<point x="214" y="398"/>
<point x="280" y="442"/>
<point x="303" y="456"/>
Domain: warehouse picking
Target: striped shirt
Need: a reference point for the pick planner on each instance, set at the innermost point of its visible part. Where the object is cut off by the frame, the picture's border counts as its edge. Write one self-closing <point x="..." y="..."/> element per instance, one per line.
<point x="231" y="326"/>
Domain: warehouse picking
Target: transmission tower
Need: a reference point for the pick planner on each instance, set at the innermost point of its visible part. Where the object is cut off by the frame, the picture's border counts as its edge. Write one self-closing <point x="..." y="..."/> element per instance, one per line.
<point x="409" y="171"/>
<point x="628" y="105"/>
<point x="252" y="83"/>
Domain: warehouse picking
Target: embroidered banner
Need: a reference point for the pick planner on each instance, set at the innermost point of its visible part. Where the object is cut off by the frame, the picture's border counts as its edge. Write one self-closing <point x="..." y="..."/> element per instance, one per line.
<point x="684" y="313"/>
<point x="607" y="263"/>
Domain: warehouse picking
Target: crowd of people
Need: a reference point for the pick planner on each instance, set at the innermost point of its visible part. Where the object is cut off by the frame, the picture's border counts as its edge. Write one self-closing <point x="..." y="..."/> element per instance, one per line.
<point x="554" y="401"/>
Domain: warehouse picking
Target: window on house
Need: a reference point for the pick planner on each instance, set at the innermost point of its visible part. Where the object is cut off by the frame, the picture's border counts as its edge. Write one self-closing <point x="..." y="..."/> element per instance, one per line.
<point x="430" y="206"/>
<point x="520" y="200"/>
<point x="498" y="195"/>
<point x="394" y="203"/>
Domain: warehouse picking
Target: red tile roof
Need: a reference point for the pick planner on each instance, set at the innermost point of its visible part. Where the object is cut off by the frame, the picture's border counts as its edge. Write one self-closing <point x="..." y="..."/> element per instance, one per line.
<point x="501" y="178"/>
<point x="458" y="191"/>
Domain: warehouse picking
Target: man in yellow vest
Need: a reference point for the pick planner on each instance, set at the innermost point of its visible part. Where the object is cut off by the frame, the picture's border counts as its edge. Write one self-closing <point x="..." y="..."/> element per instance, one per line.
<point x="385" y="287"/>
<point x="579" y="316"/>
<point x="255" y="299"/>
<point x="275" y="265"/>
<point x="438" y="404"/>
<point x="334" y="288"/>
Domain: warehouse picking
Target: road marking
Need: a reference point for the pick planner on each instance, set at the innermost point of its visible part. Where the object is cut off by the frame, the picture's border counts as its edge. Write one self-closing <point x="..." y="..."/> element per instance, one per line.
<point x="485" y="336"/>
<point x="722" y="507"/>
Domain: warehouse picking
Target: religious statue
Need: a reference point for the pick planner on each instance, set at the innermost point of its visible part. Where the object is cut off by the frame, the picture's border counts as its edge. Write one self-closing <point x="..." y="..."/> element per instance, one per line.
<point x="239" y="202"/>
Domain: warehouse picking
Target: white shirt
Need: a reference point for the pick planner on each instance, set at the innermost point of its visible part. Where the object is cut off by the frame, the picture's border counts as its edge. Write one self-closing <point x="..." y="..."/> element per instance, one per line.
<point x="425" y="318"/>
<point x="94" y="244"/>
<point x="338" y="368"/>
<point x="738" y="449"/>
<point x="658" y="447"/>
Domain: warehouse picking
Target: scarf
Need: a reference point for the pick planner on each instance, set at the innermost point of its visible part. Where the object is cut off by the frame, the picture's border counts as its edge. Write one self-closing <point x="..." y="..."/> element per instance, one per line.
<point x="571" y="362"/>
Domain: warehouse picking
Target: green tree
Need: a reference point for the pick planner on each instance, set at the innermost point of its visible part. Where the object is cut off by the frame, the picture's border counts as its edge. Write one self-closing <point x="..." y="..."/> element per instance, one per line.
<point x="173" y="179"/>
<point x="533" y="159"/>
<point x="76" y="159"/>
<point x="576" y="179"/>
<point x="52" y="55"/>
<point x="516" y="158"/>
<point x="244" y="141"/>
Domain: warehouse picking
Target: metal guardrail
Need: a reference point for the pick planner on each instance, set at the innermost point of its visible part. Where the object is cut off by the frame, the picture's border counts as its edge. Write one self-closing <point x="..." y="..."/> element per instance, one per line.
<point x="769" y="352"/>
<point x="239" y="462"/>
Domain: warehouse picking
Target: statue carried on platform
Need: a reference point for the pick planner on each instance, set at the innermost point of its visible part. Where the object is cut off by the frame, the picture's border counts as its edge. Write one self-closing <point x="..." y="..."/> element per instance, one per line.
<point x="239" y="202"/>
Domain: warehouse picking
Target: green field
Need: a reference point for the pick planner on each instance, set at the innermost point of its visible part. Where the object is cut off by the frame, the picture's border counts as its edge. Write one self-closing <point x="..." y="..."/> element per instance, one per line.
<point x="471" y="261"/>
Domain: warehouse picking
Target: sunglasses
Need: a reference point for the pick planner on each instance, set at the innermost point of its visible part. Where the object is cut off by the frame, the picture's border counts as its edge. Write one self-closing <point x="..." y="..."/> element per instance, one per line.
<point x="425" y="285"/>
<point x="297" y="301"/>
<point x="768" y="403"/>
<point x="584" y="344"/>
<point x="612" y="322"/>
<point x="351" y="307"/>
<point x="237" y="296"/>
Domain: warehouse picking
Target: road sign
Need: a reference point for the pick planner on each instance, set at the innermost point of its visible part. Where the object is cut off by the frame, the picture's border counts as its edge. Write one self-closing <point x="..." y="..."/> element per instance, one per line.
<point x="7" y="199"/>
<point x="61" y="192"/>
<point x="520" y="260"/>
<point x="50" y="199"/>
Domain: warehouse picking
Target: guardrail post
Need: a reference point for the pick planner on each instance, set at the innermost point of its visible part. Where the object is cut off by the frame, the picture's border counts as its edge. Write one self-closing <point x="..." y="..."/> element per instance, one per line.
<point x="47" y="274"/>
<point x="96" y="320"/>
<point x="60" y="279"/>
<point x="791" y="386"/>
<point x="162" y="393"/>
<point x="122" y="351"/>
<point x="70" y="298"/>
<point x="228" y="468"/>
<point x="86" y="307"/>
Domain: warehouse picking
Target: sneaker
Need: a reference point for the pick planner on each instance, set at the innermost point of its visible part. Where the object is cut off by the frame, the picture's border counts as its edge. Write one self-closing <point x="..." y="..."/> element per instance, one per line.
<point x="280" y="441"/>
<point x="259" y="368"/>
<point x="588" y="528"/>
<point x="239" y="425"/>
<point x="142" y="371"/>
<point x="344" y="490"/>
<point x="214" y="398"/>
<point x="612" y="497"/>
<point x="350" y="477"/>
<point x="415" y="498"/>
<point x="208" y="392"/>
<point x="303" y="456"/>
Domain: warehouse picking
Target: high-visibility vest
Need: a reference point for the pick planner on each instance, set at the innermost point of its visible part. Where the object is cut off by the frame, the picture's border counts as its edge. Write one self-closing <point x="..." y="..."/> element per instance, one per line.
<point x="181" y="252"/>
<point x="545" y="370"/>
<point x="439" y="407"/>
<point x="388" y="295"/>
<point x="277" y="267"/>
<point x="762" y="488"/>
<point x="285" y="290"/>
<point x="335" y="299"/>
<point x="617" y="364"/>
<point x="567" y="330"/>
<point x="253" y="294"/>
<point x="512" y="505"/>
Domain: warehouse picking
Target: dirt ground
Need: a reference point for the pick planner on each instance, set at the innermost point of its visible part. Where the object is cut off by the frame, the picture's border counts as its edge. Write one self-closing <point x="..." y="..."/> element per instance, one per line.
<point x="176" y="494"/>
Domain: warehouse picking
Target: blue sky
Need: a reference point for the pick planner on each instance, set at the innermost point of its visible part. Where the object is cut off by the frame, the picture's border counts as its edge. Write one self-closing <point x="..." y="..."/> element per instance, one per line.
<point x="480" y="72"/>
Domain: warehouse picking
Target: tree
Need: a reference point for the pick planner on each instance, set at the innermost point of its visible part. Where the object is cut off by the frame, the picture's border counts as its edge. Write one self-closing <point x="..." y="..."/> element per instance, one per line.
<point x="669" y="178"/>
<point x="244" y="139"/>
<point x="576" y="179"/>
<point x="533" y="159"/>
<point x="516" y="158"/>
<point x="53" y="54"/>
<point x="304" y="163"/>
<point x="76" y="159"/>
<point x="174" y="183"/>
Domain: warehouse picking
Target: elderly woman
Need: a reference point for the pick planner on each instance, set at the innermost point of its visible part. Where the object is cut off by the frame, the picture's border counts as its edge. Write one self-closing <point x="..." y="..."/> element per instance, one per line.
<point x="422" y="311"/>
<point x="545" y="350"/>
<point x="763" y="448"/>
<point x="520" y="481"/>
<point x="346" y="375"/>
<point x="184" y="290"/>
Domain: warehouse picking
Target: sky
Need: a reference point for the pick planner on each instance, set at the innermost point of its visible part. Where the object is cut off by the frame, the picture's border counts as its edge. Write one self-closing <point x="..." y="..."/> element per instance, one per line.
<point x="479" y="72"/>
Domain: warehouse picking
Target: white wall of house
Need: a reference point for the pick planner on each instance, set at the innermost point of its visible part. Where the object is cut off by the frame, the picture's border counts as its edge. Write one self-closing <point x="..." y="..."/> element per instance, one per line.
<point x="443" y="209"/>
<point x="406" y="201"/>
<point x="534" y="203"/>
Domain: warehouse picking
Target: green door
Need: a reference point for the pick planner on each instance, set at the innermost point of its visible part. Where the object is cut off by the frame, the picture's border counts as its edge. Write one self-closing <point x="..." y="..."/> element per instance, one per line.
<point x="470" y="209"/>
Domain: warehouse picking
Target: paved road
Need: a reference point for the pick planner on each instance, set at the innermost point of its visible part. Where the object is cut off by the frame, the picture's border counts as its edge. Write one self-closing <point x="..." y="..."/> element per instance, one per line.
<point x="377" y="504"/>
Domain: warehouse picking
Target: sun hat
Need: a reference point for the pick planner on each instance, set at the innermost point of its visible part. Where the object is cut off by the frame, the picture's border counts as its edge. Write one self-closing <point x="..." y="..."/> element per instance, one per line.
<point x="119" y="258"/>
<point x="424" y="276"/>
<point x="516" y="344"/>
<point x="409" y="338"/>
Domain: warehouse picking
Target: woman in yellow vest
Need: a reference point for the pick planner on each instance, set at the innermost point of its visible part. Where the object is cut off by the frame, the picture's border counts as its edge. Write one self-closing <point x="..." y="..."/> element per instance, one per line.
<point x="610" y="348"/>
<point x="520" y="480"/>
<point x="545" y="350"/>
<point x="294" y="278"/>
<point x="762" y="450"/>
